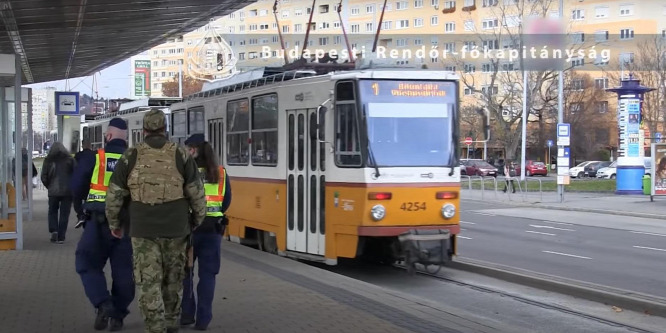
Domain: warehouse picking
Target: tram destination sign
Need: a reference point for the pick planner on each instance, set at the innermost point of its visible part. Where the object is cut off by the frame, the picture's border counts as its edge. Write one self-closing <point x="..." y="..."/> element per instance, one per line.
<point x="408" y="91"/>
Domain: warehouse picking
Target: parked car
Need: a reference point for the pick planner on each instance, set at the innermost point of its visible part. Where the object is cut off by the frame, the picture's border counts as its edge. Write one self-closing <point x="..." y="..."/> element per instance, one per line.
<point x="579" y="170"/>
<point x="479" y="168"/>
<point x="591" y="169"/>
<point x="463" y="168"/>
<point x="533" y="168"/>
<point x="608" y="172"/>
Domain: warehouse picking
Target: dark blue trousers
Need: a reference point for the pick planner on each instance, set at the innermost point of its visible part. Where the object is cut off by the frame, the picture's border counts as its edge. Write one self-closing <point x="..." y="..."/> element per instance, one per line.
<point x="95" y="247"/>
<point x="207" y="253"/>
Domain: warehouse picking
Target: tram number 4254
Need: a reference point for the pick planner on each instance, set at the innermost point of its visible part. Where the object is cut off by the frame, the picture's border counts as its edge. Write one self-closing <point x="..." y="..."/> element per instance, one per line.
<point x="413" y="206"/>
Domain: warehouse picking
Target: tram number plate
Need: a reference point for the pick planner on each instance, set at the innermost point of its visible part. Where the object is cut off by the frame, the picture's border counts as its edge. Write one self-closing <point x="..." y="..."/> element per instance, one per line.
<point x="413" y="206"/>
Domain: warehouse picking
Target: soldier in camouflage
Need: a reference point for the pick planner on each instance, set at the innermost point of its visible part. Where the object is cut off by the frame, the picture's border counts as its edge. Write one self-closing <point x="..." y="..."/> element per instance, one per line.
<point x="165" y="188"/>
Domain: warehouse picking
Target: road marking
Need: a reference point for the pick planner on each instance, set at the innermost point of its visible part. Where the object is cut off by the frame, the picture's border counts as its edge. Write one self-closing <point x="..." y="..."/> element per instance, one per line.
<point x="649" y="248"/>
<point x="463" y="237"/>
<point x="560" y="223"/>
<point x="467" y="222"/>
<point x="647" y="233"/>
<point x="540" y="233"/>
<point x="463" y="229"/>
<point x="485" y="214"/>
<point x="567" y="255"/>
<point x="549" y="227"/>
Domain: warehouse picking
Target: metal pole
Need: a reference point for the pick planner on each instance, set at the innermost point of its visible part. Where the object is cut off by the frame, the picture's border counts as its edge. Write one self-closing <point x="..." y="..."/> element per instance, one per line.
<point x="485" y="151"/>
<point x="31" y="144"/>
<point x="18" y="139"/>
<point x="560" y="105"/>
<point x="525" y="115"/>
<point x="180" y="79"/>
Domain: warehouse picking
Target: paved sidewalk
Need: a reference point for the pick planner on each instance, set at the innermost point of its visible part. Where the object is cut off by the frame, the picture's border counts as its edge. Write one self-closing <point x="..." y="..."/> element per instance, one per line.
<point x="257" y="292"/>
<point x="603" y="203"/>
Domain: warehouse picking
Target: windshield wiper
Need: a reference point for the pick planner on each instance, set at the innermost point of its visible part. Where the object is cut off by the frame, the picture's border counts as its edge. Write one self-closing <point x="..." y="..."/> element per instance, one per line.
<point x="371" y="155"/>
<point x="452" y="155"/>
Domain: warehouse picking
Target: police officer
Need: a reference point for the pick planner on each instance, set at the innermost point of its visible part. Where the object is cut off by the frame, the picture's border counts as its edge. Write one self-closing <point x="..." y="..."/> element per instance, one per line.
<point x="164" y="185"/>
<point x="97" y="245"/>
<point x="207" y="237"/>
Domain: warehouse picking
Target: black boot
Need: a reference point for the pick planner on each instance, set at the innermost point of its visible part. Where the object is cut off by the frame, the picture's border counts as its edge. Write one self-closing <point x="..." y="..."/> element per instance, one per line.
<point x="102" y="319"/>
<point x="172" y="329"/>
<point x="116" y="324"/>
<point x="185" y="320"/>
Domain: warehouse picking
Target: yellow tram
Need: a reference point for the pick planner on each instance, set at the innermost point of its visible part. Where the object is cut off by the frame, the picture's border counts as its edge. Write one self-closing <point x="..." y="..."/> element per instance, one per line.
<point x="337" y="165"/>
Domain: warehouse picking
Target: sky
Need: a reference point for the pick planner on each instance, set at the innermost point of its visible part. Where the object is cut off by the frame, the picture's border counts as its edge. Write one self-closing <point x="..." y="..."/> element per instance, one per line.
<point x="113" y="82"/>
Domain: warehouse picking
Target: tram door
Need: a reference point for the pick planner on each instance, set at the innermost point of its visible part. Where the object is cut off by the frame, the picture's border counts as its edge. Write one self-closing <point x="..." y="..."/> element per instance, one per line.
<point x="305" y="184"/>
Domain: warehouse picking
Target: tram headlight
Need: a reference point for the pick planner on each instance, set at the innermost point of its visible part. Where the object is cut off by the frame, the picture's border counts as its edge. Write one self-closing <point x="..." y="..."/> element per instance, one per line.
<point x="378" y="212"/>
<point x="448" y="211"/>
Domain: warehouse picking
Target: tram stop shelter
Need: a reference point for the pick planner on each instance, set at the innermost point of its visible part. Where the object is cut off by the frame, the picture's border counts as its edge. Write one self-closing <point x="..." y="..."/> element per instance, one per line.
<point x="48" y="40"/>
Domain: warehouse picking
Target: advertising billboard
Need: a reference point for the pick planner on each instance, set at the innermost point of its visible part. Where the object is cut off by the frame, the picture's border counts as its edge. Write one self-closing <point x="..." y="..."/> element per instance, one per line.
<point x="658" y="169"/>
<point x="142" y="78"/>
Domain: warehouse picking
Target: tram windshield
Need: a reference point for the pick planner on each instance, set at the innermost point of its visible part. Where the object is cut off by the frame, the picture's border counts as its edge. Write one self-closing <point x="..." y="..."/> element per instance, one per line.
<point x="409" y="123"/>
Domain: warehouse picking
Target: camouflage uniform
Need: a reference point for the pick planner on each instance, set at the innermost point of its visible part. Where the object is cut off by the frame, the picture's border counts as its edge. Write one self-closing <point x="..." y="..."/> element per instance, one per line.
<point x="164" y="185"/>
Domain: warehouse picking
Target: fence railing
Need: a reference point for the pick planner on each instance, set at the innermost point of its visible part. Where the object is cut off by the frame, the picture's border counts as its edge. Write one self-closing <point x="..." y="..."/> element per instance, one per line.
<point x="510" y="182"/>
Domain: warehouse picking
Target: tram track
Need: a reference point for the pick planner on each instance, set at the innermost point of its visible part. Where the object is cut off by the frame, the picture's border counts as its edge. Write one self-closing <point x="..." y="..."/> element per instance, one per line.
<point x="522" y="299"/>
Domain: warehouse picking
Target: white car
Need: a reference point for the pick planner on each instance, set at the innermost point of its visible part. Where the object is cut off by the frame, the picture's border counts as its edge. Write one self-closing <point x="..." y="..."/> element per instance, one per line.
<point x="579" y="170"/>
<point x="610" y="172"/>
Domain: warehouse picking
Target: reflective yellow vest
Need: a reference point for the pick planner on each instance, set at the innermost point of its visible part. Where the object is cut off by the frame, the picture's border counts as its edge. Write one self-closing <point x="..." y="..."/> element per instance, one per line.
<point x="215" y="195"/>
<point x="99" y="182"/>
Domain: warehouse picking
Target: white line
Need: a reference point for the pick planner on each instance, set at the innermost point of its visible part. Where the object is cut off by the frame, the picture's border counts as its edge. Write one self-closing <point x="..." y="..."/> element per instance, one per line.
<point x="649" y="248"/>
<point x="647" y="233"/>
<point x="560" y="223"/>
<point x="564" y="254"/>
<point x="485" y="214"/>
<point x="467" y="222"/>
<point x="549" y="227"/>
<point x="540" y="233"/>
<point x="463" y="229"/>
<point x="463" y="237"/>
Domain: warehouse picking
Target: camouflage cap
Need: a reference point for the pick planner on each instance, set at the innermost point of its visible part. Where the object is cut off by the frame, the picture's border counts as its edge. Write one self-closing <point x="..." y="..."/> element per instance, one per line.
<point x="154" y="120"/>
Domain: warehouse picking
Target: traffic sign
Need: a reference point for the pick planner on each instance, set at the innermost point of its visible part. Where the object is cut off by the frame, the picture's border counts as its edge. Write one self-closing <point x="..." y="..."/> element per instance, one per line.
<point x="66" y="103"/>
<point x="549" y="143"/>
<point x="468" y="141"/>
<point x="563" y="134"/>
<point x="657" y="136"/>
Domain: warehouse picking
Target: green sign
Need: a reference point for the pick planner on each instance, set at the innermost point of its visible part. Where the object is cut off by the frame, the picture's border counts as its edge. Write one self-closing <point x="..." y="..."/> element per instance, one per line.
<point x="142" y="78"/>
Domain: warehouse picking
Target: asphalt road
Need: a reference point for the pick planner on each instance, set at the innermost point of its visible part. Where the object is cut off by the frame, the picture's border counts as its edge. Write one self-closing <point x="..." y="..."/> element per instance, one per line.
<point x="595" y="248"/>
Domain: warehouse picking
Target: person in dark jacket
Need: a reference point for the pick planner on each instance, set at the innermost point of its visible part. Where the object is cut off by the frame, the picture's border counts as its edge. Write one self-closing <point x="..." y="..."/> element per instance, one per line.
<point x="207" y="237"/>
<point x="56" y="174"/>
<point x="83" y="158"/>
<point x="97" y="245"/>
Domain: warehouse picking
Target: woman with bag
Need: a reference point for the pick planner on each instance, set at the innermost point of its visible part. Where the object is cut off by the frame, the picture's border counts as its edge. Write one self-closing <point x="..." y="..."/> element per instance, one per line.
<point x="509" y="173"/>
<point x="56" y="173"/>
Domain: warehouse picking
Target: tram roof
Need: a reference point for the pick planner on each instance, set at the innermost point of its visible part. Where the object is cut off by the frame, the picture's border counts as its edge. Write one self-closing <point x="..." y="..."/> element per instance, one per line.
<point x="73" y="38"/>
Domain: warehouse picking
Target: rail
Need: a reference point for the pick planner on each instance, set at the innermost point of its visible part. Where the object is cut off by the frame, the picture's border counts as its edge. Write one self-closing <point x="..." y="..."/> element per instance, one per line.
<point x="482" y="183"/>
<point x="540" y="187"/>
<point x="510" y="184"/>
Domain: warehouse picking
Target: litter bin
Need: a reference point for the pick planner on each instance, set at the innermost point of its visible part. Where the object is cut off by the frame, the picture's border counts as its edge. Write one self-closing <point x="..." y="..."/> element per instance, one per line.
<point x="647" y="185"/>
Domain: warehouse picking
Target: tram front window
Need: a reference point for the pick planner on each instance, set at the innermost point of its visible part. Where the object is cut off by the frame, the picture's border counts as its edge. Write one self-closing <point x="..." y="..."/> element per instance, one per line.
<point x="409" y="134"/>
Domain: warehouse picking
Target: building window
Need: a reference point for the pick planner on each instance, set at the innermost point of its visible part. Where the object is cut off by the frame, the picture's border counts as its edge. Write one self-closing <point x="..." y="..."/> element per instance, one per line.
<point x="490" y="3"/>
<point x="511" y="21"/>
<point x="578" y="62"/>
<point x="577" y="84"/>
<point x="577" y="37"/>
<point x="449" y="4"/>
<point x="298" y="12"/>
<point x="347" y="145"/>
<point x="285" y="13"/>
<point x="298" y="27"/>
<point x="401" y="5"/>
<point x="323" y="40"/>
<point x="601" y="83"/>
<point x="468" y="91"/>
<point x="368" y="27"/>
<point x="434" y="20"/>
<point x="626" y="58"/>
<point x="602" y="107"/>
<point x="401" y="42"/>
<point x="626" y="10"/>
<point x="386" y="25"/>
<point x="601" y="12"/>
<point x="627" y="33"/>
<point x="469" y="68"/>
<point x="323" y="9"/>
<point x="577" y="14"/>
<point x="263" y="12"/>
<point x="418" y="3"/>
<point x="601" y="36"/>
<point x="488" y="67"/>
<point x="402" y="24"/>
<point x="265" y="130"/>
<point x="450" y="27"/>
<point x="469" y="25"/>
<point x="576" y="108"/>
<point x="355" y="11"/>
<point x="355" y="28"/>
<point x="418" y="22"/>
<point x="491" y="44"/>
<point x="494" y="90"/>
<point x="434" y="3"/>
<point x="238" y="134"/>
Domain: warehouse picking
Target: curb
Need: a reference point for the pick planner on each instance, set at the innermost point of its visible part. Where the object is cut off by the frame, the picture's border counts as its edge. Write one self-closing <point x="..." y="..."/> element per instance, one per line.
<point x="623" y="299"/>
<point x="574" y="209"/>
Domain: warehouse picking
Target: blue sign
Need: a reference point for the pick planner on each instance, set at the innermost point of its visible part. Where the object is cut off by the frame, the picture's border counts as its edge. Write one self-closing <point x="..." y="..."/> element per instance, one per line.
<point x="549" y="143"/>
<point x="563" y="134"/>
<point x="567" y="152"/>
<point x="657" y="136"/>
<point x="67" y="103"/>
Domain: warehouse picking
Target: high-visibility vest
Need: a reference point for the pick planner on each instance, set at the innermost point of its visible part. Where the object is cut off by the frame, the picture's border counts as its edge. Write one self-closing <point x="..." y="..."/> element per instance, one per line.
<point x="215" y="195"/>
<point x="99" y="182"/>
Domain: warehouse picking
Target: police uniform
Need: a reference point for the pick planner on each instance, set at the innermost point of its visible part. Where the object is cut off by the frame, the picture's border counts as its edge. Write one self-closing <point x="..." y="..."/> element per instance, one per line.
<point x="206" y="243"/>
<point x="165" y="190"/>
<point x="97" y="245"/>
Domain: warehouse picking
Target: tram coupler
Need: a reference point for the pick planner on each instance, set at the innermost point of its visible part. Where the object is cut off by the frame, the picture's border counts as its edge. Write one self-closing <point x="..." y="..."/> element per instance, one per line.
<point x="425" y="247"/>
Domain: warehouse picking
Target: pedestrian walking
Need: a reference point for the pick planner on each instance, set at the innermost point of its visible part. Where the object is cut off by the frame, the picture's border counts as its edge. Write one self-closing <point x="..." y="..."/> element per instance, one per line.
<point x="207" y="238"/>
<point x="97" y="245"/>
<point x="167" y="200"/>
<point x="56" y="174"/>
<point x="87" y="157"/>
<point x="509" y="173"/>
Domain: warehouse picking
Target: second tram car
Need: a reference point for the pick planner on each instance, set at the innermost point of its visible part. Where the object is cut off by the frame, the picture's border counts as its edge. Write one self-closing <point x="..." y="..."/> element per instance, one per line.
<point x="337" y="165"/>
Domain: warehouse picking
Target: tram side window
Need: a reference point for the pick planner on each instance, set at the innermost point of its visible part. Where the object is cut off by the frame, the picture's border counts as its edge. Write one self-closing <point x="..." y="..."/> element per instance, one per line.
<point x="348" y="147"/>
<point x="238" y="132"/>
<point x="179" y="121"/>
<point x="97" y="138"/>
<point x="265" y="130"/>
<point x="196" y="123"/>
